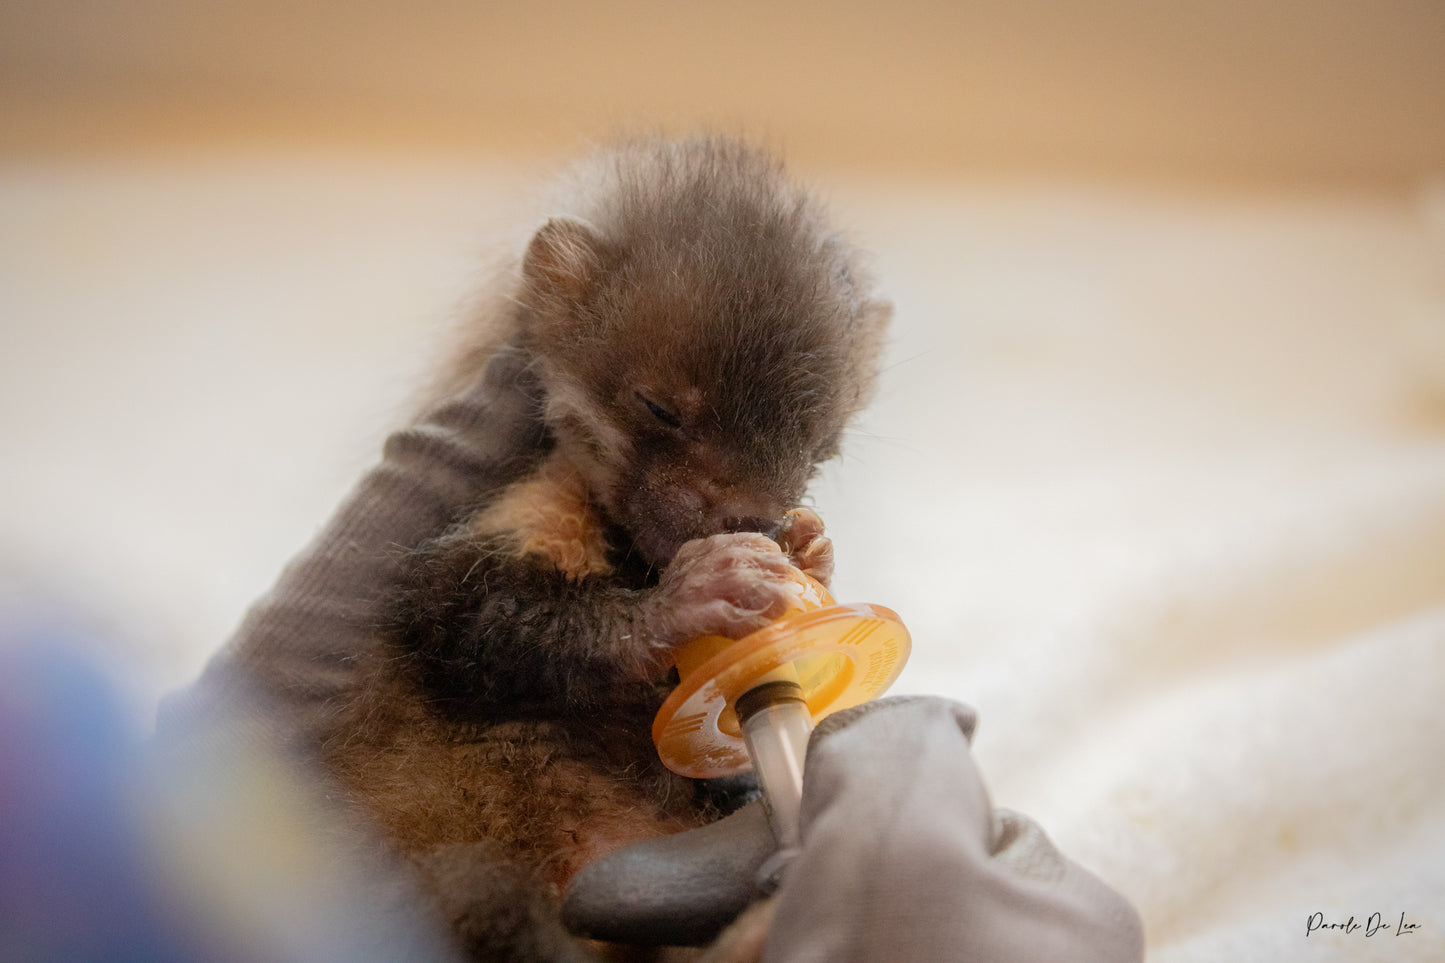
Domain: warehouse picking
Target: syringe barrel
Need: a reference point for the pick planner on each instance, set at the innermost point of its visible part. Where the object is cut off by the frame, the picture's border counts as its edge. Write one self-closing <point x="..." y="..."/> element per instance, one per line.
<point x="775" y="725"/>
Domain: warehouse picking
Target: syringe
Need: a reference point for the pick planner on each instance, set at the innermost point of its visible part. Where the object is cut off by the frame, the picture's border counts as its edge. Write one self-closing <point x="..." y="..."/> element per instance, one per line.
<point x="776" y="723"/>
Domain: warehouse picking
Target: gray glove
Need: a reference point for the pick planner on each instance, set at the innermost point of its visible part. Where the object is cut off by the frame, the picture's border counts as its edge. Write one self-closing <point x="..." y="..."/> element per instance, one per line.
<point x="902" y="857"/>
<point x="295" y="655"/>
<point x="233" y="771"/>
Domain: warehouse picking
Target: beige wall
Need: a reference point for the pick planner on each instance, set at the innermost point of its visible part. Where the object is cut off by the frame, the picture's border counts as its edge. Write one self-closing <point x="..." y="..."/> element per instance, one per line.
<point x="1276" y="90"/>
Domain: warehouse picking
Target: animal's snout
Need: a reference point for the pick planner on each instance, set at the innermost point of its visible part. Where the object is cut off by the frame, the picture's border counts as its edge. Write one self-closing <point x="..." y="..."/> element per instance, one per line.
<point x="770" y="527"/>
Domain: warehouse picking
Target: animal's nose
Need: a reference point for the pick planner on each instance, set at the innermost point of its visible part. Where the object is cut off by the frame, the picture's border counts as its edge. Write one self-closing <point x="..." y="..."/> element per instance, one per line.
<point x="753" y="523"/>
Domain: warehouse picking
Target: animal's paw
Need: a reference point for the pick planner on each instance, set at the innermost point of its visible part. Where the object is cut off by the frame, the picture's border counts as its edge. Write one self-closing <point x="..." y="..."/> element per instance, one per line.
<point x="726" y="585"/>
<point x="803" y="540"/>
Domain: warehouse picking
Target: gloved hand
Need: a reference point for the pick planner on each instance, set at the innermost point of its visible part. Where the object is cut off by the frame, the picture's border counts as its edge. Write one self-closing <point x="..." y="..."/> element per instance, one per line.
<point x="235" y="750"/>
<point x="278" y="679"/>
<point x="902" y="857"/>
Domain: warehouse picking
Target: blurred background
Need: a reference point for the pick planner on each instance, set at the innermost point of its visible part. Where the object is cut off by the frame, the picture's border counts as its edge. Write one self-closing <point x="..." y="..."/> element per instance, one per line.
<point x="1292" y="91"/>
<point x="1162" y="432"/>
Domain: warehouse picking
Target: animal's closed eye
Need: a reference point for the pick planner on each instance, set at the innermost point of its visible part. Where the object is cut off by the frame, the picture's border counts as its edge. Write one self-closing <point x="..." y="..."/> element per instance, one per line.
<point x="663" y="415"/>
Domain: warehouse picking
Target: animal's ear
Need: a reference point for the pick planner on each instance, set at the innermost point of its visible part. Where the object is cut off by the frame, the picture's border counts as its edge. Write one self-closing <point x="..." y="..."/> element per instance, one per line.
<point x="562" y="263"/>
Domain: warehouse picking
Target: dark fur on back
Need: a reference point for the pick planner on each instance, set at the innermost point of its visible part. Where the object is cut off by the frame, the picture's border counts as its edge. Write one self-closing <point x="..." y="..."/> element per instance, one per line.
<point x="700" y="338"/>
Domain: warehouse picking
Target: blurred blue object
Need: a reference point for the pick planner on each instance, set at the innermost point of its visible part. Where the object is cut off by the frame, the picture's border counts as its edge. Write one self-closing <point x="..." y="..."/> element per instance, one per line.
<point x="217" y="846"/>
<point x="76" y="879"/>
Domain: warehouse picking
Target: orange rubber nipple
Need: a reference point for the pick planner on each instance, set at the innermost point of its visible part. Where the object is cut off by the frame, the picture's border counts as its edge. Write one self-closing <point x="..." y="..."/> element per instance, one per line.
<point x="840" y="655"/>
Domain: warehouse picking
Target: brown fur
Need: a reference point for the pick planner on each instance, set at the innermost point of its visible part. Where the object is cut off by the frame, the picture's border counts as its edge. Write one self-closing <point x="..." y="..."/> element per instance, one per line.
<point x="701" y="339"/>
<point x="549" y="515"/>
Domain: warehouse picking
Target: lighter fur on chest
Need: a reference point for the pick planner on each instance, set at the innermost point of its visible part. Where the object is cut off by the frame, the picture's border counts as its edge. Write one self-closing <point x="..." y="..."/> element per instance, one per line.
<point x="549" y="514"/>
